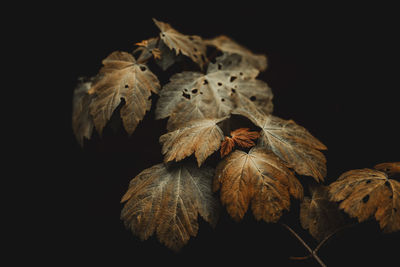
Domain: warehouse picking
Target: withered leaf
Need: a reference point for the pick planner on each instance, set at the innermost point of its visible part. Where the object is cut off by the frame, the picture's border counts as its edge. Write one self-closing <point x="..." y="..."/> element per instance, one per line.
<point x="226" y="146"/>
<point x="244" y="138"/>
<point x="166" y="199"/>
<point x="227" y="45"/>
<point x="122" y="78"/>
<point x="82" y="122"/>
<point x="318" y="214"/>
<point x="366" y="192"/>
<point x="201" y="137"/>
<point x="154" y="47"/>
<point x="259" y="178"/>
<point x="290" y="142"/>
<point x="391" y="168"/>
<point x="189" y="45"/>
<point x="212" y="95"/>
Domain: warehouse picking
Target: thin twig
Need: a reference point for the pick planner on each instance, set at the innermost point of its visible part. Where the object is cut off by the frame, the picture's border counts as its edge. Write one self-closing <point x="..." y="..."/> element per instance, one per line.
<point x="330" y="235"/>
<point x="312" y="253"/>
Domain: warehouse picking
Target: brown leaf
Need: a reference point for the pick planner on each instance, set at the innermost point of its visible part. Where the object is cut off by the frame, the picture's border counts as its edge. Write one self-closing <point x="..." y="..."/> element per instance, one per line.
<point x="227" y="45"/>
<point x="201" y="137"/>
<point x="82" y="122"/>
<point x="391" y="168"/>
<point x="156" y="53"/>
<point x="166" y="199"/>
<point x="226" y="146"/>
<point x="122" y="78"/>
<point x="191" y="46"/>
<point x="259" y="178"/>
<point x="289" y="141"/>
<point x="244" y="138"/>
<point x="318" y="214"/>
<point x="145" y="43"/>
<point x="366" y="192"/>
<point x="192" y="95"/>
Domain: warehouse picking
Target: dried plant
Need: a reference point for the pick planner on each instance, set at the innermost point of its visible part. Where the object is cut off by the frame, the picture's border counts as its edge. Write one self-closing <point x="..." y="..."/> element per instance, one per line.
<point x="257" y="166"/>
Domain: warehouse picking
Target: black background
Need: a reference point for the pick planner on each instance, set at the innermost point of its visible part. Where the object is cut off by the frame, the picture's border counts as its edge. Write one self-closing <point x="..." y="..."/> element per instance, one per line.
<point x="333" y="69"/>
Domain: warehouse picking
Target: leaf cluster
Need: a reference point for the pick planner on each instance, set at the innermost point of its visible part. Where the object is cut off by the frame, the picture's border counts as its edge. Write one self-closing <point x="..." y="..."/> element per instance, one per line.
<point x="258" y="167"/>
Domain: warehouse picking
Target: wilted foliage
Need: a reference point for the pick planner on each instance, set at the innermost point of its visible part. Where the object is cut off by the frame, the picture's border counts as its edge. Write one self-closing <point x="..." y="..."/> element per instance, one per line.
<point x="257" y="165"/>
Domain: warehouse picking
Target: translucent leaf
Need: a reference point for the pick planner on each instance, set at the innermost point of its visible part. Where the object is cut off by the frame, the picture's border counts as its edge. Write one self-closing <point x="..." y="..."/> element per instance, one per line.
<point x="289" y="141"/>
<point x="366" y="192"/>
<point x="189" y="45"/>
<point x="201" y="137"/>
<point x="318" y="214"/>
<point x="82" y="122"/>
<point x="227" y="45"/>
<point x="259" y="178"/>
<point x="167" y="199"/>
<point x="122" y="78"/>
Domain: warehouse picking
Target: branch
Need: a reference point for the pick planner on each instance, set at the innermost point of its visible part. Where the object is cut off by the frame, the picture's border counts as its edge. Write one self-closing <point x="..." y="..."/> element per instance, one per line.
<point x="312" y="252"/>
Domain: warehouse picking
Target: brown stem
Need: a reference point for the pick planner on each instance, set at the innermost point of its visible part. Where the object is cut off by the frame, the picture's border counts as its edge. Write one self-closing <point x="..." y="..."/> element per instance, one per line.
<point x="312" y="253"/>
<point x="330" y="235"/>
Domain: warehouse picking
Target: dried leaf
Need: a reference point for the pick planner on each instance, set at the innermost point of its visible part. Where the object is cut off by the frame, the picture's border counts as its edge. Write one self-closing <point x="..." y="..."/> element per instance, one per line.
<point x="201" y="137"/>
<point x="226" y="146"/>
<point x="82" y="122"/>
<point x="154" y="47"/>
<point x="122" y="78"/>
<point x="244" y="138"/>
<point x="391" y="168"/>
<point x="318" y="214"/>
<point x="191" y="46"/>
<point x="365" y="192"/>
<point x="290" y="142"/>
<point x="166" y="199"/>
<point x="227" y="45"/>
<point x="259" y="178"/>
<point x="156" y="53"/>
<point x="191" y="95"/>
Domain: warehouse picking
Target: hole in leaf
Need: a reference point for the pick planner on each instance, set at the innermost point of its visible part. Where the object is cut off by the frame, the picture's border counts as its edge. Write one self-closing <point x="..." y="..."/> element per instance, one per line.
<point x="195" y="56"/>
<point x="395" y="210"/>
<point x="185" y="89"/>
<point x="253" y="98"/>
<point x="219" y="66"/>
<point x="365" y="199"/>
<point x="233" y="90"/>
<point x="194" y="91"/>
<point x="143" y="68"/>
<point x="391" y="197"/>
<point x="205" y="82"/>
<point x="187" y="96"/>
<point x="191" y="38"/>
<point x="162" y="34"/>
<point x="387" y="183"/>
<point x="241" y="73"/>
<point x="195" y="49"/>
<point x="126" y="86"/>
<point x="222" y="99"/>
<point x="219" y="84"/>
<point x="367" y="182"/>
<point x="232" y="78"/>
<point x="201" y="93"/>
